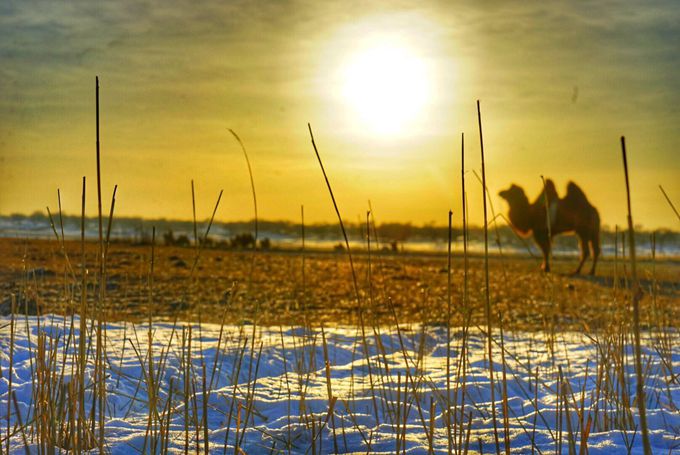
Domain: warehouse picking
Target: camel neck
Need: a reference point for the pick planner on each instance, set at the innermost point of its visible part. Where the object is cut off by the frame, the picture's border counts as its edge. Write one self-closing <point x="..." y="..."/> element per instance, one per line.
<point x="520" y="216"/>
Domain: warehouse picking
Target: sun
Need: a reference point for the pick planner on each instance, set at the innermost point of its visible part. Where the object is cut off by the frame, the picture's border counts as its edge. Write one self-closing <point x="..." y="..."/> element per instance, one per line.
<point x="387" y="86"/>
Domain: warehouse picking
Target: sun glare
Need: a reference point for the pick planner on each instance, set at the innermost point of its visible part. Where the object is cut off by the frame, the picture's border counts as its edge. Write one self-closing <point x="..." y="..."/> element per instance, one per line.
<point x="386" y="86"/>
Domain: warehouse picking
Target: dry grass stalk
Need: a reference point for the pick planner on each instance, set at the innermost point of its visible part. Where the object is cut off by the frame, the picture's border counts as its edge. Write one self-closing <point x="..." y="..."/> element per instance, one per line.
<point x="487" y="307"/>
<point x="637" y="296"/>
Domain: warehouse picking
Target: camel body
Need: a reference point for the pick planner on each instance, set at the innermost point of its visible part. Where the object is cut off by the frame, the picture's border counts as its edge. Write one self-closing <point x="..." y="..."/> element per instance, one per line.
<point x="550" y="215"/>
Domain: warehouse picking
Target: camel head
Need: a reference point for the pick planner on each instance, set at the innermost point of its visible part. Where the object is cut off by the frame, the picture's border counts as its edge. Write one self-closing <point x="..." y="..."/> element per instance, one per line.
<point x="519" y="208"/>
<point x="514" y="195"/>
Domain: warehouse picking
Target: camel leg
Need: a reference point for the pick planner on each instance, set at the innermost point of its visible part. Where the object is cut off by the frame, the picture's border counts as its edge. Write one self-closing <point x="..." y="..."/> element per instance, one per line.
<point x="583" y="247"/>
<point x="595" y="247"/>
<point x="543" y="242"/>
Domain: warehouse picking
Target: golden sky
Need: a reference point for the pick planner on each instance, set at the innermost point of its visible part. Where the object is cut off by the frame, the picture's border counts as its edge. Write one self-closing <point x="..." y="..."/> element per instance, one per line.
<point x="387" y="86"/>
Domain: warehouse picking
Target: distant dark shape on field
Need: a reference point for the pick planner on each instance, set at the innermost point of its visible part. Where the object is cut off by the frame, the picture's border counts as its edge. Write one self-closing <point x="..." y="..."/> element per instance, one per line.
<point x="550" y="215"/>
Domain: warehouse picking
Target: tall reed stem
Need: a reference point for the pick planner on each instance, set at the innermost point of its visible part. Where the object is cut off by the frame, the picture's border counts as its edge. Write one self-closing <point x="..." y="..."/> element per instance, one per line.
<point x="360" y="309"/>
<point x="252" y="181"/>
<point x="99" y="395"/>
<point x="448" y="340"/>
<point x="669" y="202"/>
<point x="487" y="307"/>
<point x="637" y="296"/>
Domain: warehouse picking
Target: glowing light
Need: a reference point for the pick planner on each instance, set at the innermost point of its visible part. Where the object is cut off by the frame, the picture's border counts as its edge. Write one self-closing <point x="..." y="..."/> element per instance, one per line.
<point x="387" y="86"/>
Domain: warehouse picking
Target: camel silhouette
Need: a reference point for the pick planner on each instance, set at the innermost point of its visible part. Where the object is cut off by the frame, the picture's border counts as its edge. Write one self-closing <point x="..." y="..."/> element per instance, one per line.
<point x="550" y="215"/>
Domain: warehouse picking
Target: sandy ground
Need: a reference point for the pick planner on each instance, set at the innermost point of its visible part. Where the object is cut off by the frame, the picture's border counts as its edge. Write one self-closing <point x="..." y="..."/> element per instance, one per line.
<point x="276" y="287"/>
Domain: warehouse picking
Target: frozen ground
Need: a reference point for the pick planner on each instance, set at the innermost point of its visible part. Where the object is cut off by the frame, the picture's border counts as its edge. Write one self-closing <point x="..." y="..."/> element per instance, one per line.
<point x="278" y="395"/>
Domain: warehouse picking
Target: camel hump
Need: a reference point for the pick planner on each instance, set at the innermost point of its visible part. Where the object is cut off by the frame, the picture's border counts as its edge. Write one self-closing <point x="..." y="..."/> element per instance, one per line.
<point x="575" y="196"/>
<point x="550" y="190"/>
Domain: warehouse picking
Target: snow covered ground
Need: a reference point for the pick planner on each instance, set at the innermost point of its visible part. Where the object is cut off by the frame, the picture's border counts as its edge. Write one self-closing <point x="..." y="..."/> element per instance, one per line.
<point x="269" y="388"/>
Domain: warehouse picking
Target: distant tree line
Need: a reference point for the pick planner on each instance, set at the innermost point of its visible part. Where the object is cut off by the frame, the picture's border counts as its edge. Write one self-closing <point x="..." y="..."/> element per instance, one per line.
<point x="238" y="235"/>
<point x="244" y="241"/>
